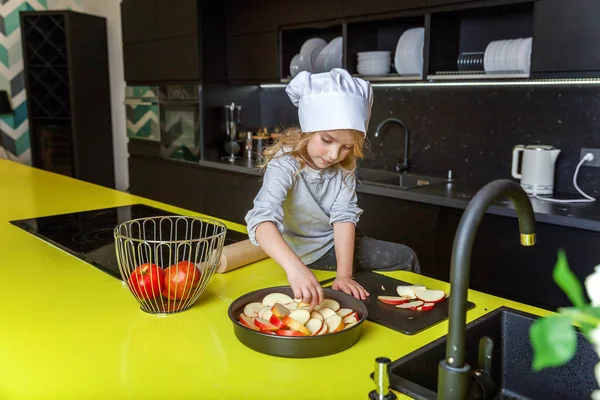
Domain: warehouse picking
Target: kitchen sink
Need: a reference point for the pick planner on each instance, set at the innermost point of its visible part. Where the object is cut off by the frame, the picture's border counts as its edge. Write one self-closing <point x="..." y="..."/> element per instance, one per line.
<point x="416" y="373"/>
<point x="402" y="181"/>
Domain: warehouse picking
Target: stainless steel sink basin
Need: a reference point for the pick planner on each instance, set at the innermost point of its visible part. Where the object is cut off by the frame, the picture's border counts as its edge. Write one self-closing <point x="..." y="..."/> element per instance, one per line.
<point x="416" y="374"/>
<point x="403" y="181"/>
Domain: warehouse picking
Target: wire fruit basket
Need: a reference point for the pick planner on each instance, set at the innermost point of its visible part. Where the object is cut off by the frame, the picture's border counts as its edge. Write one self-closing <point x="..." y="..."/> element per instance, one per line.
<point x="167" y="262"/>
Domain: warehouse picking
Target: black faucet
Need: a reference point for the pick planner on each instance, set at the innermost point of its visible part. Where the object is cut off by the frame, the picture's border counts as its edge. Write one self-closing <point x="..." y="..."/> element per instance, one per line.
<point x="401" y="166"/>
<point x="453" y="374"/>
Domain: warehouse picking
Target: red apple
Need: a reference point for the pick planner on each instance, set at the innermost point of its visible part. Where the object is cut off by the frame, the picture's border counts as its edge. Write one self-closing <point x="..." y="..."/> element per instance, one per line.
<point x="276" y="321"/>
<point x="146" y="281"/>
<point x="394" y="300"/>
<point x="264" y="325"/>
<point x="288" y="332"/>
<point x="181" y="280"/>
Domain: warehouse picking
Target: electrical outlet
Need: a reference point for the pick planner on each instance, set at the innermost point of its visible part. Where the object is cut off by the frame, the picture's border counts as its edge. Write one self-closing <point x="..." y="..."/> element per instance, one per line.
<point x="595" y="162"/>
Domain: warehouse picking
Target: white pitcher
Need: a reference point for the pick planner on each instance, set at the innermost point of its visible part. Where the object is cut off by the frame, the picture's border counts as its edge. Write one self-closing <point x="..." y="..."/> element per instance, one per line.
<point x="537" y="168"/>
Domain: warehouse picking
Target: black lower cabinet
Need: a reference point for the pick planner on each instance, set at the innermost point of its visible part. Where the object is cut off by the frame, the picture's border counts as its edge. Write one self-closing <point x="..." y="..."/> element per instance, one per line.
<point x="501" y="266"/>
<point x="400" y="221"/>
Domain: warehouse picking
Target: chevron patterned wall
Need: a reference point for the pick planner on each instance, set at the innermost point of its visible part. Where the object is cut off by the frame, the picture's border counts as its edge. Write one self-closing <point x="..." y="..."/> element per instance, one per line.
<point x="14" y="129"/>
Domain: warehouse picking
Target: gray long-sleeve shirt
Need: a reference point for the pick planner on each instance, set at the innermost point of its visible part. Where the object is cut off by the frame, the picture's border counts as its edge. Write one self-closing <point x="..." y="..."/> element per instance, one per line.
<point x="304" y="206"/>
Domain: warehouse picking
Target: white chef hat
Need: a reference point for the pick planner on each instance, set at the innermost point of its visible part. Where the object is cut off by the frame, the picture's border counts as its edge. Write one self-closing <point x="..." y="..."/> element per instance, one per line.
<point x="331" y="100"/>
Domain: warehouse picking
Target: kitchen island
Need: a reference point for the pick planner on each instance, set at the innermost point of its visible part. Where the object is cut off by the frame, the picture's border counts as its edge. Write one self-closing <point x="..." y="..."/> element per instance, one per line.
<point x="71" y="331"/>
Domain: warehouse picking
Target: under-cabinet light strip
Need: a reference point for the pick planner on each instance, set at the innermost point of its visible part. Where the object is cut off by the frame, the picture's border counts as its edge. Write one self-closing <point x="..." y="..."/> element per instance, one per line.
<point x="537" y="82"/>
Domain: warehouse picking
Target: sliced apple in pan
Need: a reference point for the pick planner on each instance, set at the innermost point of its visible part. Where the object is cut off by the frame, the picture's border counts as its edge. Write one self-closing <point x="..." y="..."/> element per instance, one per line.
<point x="314" y="326"/>
<point x="317" y="315"/>
<point x="350" y="325"/>
<point x="334" y="323"/>
<point x="279" y="310"/>
<point x="411" y="305"/>
<point x="261" y="312"/>
<point x="326" y="312"/>
<point x="344" y="312"/>
<point x="394" y="300"/>
<point x="430" y="296"/>
<point x="247" y="322"/>
<point x="328" y="303"/>
<point x="273" y="298"/>
<point x="288" y="332"/>
<point x="291" y="306"/>
<point x="302" y="316"/>
<point x="251" y="309"/>
<point x="267" y="315"/>
<point x="302" y="304"/>
<point x="265" y="325"/>
<point x="295" y="325"/>
<point x="428" y="306"/>
<point x="324" y="330"/>
<point x="267" y="332"/>
<point x="350" y="319"/>
<point x="278" y="322"/>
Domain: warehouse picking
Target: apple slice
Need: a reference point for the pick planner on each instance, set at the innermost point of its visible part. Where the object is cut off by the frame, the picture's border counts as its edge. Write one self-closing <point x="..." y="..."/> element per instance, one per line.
<point x="276" y="321"/>
<point x="247" y="322"/>
<point x="295" y="325"/>
<point x="412" y="305"/>
<point x="267" y="332"/>
<point x="273" y="298"/>
<point x="261" y="312"/>
<point x="267" y="315"/>
<point x="279" y="311"/>
<point x="344" y="312"/>
<point x="350" y="325"/>
<point x="354" y="314"/>
<point x="302" y="316"/>
<point x="251" y="309"/>
<point x="265" y="325"/>
<point x="430" y="296"/>
<point x="291" y="306"/>
<point x="408" y="290"/>
<point x="302" y="304"/>
<point x="324" y="330"/>
<point x="420" y="308"/>
<point x="326" y="312"/>
<point x="334" y="323"/>
<point x="317" y="315"/>
<point x="314" y="326"/>
<point x="350" y="319"/>
<point x="288" y="332"/>
<point x="427" y="306"/>
<point x="394" y="300"/>
<point x="328" y="303"/>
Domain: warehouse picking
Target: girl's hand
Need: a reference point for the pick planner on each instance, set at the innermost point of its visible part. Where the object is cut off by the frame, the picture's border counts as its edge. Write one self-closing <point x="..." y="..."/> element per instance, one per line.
<point x="305" y="286"/>
<point x="349" y="286"/>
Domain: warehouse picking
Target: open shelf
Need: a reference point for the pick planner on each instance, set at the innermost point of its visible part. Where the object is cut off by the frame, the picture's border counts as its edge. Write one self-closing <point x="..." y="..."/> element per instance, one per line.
<point x="471" y="30"/>
<point x="379" y="35"/>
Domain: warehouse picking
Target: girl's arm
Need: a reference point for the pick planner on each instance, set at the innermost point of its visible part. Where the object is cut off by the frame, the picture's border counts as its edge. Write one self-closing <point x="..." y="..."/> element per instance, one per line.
<point x="303" y="282"/>
<point x="343" y="237"/>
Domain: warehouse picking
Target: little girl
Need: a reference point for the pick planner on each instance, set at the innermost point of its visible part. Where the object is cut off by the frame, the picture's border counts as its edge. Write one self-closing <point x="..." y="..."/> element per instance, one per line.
<point x="306" y="211"/>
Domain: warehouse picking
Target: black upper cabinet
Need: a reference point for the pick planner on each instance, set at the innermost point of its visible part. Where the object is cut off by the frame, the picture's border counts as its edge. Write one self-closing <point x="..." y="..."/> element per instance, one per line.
<point x="434" y="3"/>
<point x="306" y="11"/>
<point x="246" y="16"/>
<point x="177" y="18"/>
<point x="362" y="7"/>
<point x="138" y="20"/>
<point x="161" y="40"/>
<point x="252" y="57"/>
<point x="566" y="38"/>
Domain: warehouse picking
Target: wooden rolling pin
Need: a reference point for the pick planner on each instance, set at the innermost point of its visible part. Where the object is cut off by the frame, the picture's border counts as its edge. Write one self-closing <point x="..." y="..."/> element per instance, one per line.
<point x="239" y="254"/>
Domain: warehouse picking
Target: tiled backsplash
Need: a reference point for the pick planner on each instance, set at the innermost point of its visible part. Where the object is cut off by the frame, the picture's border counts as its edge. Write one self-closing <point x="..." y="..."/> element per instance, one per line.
<point x="472" y="129"/>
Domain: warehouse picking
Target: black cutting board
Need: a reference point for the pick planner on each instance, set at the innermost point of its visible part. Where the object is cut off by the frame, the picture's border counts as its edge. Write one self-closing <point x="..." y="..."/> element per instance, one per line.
<point x="408" y="322"/>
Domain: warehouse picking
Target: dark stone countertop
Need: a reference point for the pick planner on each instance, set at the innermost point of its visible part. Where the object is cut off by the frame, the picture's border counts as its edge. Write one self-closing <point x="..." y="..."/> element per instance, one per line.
<point x="457" y="195"/>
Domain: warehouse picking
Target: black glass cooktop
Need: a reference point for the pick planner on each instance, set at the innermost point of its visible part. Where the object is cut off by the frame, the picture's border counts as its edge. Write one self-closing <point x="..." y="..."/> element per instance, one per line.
<point x="89" y="235"/>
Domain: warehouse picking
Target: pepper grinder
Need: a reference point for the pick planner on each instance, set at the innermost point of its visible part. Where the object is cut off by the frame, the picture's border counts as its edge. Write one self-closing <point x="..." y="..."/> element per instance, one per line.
<point x="382" y="380"/>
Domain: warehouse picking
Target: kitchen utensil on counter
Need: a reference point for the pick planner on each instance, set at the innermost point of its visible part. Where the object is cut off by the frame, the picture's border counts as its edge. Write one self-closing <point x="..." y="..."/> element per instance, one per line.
<point x="537" y="168"/>
<point x="232" y="120"/>
<point x="167" y="262"/>
<point x="238" y="255"/>
<point x="405" y="321"/>
<point x="297" y="346"/>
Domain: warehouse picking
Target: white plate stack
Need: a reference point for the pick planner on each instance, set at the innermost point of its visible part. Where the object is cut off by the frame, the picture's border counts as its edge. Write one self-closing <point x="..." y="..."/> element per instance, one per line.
<point x="408" y="59"/>
<point x="374" y="62"/>
<point x="316" y="55"/>
<point x="508" y="56"/>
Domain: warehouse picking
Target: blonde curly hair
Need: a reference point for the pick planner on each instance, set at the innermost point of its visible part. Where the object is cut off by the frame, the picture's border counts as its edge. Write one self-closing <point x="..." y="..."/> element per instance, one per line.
<point x="293" y="138"/>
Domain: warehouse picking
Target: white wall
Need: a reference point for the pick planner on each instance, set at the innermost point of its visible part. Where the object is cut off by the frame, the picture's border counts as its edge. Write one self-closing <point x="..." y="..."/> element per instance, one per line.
<point x="110" y="9"/>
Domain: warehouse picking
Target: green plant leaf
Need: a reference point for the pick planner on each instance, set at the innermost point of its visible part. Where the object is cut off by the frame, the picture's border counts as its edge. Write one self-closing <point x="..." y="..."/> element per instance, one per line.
<point x="586" y="318"/>
<point x="567" y="281"/>
<point x="554" y="341"/>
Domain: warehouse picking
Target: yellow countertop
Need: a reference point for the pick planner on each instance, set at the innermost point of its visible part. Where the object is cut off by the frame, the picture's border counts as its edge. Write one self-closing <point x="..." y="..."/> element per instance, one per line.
<point x="70" y="331"/>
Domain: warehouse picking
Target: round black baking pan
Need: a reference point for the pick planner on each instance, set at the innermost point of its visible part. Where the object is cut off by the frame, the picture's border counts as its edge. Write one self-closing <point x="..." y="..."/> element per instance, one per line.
<point x="297" y="346"/>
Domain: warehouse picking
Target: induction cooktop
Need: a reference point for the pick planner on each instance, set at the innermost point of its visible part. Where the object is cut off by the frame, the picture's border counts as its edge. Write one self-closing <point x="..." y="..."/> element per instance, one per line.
<point x="89" y="235"/>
